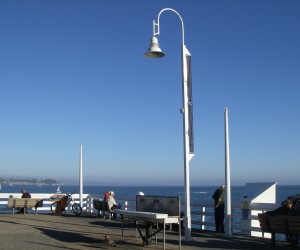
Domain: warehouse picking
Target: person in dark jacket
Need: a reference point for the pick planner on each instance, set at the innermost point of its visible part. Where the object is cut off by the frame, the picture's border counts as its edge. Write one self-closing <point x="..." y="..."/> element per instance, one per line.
<point x="284" y="209"/>
<point x="218" y="197"/>
<point x="25" y="194"/>
<point x="295" y="211"/>
<point x="294" y="198"/>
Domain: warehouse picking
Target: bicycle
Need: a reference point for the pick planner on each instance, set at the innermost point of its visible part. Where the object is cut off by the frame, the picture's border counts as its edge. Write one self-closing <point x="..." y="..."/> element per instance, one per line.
<point x="76" y="208"/>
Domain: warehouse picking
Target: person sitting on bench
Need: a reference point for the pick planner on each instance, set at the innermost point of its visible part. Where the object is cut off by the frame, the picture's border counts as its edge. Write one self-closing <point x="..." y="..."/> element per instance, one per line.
<point x="106" y="195"/>
<point x="112" y="204"/>
<point x="284" y="209"/>
<point x="25" y="194"/>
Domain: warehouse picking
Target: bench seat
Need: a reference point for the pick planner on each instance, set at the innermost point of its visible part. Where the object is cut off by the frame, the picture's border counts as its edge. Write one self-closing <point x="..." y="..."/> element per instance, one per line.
<point x="102" y="207"/>
<point x="284" y="224"/>
<point x="25" y="203"/>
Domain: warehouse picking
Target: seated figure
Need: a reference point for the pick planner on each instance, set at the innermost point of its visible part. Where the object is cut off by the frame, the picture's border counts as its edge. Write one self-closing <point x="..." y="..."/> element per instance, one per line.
<point x="284" y="209"/>
<point x="25" y="194"/>
<point x="112" y="204"/>
<point x="106" y="195"/>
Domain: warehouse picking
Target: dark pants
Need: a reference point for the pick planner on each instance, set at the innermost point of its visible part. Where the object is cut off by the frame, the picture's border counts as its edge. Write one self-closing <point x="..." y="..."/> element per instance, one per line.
<point x="22" y="211"/>
<point x="219" y="218"/>
<point x="115" y="207"/>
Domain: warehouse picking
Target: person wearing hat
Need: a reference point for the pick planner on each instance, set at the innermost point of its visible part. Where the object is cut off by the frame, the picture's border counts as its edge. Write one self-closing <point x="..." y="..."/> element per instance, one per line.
<point x="218" y="196"/>
<point x="286" y="208"/>
<point x="112" y="204"/>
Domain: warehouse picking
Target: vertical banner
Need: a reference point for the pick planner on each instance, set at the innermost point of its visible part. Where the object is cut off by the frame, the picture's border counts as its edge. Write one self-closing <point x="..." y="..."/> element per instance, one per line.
<point x="190" y="103"/>
<point x="188" y="134"/>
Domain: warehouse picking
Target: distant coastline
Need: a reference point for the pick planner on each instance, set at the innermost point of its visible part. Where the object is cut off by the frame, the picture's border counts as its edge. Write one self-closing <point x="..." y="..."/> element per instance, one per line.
<point x="35" y="182"/>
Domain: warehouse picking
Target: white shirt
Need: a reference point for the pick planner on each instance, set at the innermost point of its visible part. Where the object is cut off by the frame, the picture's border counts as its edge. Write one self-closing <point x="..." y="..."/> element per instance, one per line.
<point x="111" y="201"/>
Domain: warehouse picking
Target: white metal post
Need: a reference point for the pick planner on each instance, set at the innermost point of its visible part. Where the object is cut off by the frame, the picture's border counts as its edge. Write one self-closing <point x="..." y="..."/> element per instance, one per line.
<point x="80" y="178"/>
<point x="228" y="226"/>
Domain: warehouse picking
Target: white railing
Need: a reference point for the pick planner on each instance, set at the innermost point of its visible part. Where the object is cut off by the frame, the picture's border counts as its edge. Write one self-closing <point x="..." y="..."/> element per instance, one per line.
<point x="244" y="221"/>
<point x="46" y="208"/>
<point x="203" y="216"/>
<point x="202" y="213"/>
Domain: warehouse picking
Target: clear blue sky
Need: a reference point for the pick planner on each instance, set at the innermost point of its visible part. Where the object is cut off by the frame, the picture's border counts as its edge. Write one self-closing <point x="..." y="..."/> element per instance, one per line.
<point x="73" y="72"/>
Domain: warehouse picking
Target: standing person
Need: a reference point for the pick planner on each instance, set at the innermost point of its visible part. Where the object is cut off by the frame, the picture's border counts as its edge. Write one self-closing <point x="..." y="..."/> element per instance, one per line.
<point x="25" y="194"/>
<point x="218" y="197"/>
<point x="112" y="204"/>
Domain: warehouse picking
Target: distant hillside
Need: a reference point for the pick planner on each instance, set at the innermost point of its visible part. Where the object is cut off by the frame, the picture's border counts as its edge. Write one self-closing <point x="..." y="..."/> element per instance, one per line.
<point x="21" y="181"/>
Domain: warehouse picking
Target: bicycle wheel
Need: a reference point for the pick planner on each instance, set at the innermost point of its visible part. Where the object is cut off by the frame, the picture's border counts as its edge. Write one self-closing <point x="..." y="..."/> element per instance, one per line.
<point x="76" y="208"/>
<point x="53" y="207"/>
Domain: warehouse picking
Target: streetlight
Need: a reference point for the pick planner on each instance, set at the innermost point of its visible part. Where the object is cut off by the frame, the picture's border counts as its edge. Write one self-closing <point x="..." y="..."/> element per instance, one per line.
<point x="187" y="110"/>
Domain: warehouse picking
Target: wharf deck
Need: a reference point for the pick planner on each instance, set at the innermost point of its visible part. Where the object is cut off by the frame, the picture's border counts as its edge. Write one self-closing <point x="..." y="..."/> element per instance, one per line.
<point x="45" y="231"/>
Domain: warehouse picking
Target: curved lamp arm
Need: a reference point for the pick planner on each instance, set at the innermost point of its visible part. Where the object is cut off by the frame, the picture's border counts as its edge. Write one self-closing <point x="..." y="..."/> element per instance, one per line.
<point x="156" y="25"/>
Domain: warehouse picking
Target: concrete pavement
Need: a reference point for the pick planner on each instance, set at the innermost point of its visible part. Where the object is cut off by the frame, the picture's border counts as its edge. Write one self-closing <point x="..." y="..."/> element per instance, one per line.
<point x="45" y="231"/>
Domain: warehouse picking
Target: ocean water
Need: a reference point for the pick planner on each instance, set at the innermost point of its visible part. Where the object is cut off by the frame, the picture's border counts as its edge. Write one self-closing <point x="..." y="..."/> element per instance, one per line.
<point x="198" y="193"/>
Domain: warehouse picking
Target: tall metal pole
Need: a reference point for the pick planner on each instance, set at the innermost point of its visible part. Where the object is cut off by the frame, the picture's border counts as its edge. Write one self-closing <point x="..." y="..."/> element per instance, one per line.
<point x="80" y="178"/>
<point x="186" y="109"/>
<point x="228" y="226"/>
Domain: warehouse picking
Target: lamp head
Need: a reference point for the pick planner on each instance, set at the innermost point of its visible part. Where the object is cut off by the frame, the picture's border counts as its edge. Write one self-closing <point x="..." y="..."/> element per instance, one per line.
<point x="154" y="50"/>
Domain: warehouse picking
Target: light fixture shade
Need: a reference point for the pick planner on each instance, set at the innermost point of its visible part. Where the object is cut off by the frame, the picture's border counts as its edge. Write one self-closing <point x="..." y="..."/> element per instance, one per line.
<point x="154" y="50"/>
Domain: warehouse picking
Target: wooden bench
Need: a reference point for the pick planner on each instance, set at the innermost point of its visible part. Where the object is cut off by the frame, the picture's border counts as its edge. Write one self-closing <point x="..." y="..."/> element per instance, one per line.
<point x="294" y="229"/>
<point x="25" y="203"/>
<point x="284" y="224"/>
<point x="102" y="207"/>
